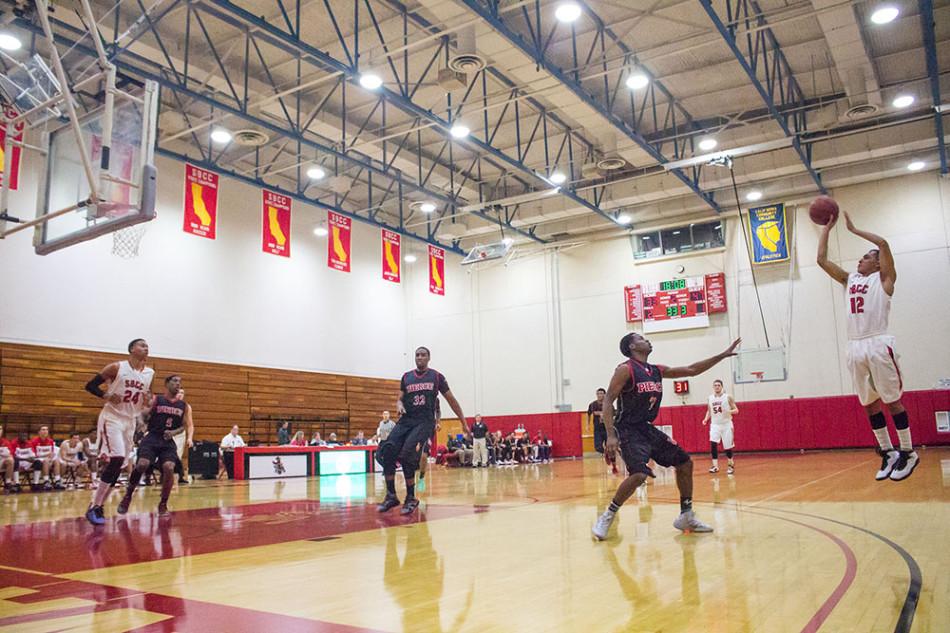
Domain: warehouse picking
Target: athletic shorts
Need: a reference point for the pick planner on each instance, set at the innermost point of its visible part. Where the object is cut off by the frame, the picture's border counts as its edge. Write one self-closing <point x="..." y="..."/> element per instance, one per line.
<point x="179" y="445"/>
<point x="639" y="443"/>
<point x="722" y="432"/>
<point x="158" y="451"/>
<point x="26" y="465"/>
<point x="410" y="441"/>
<point x="874" y="369"/>
<point x="115" y="436"/>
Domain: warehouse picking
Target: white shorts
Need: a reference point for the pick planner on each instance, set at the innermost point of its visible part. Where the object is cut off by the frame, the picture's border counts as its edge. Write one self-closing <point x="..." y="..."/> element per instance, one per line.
<point x="874" y="369"/>
<point x="722" y="432"/>
<point x="115" y="436"/>
<point x="180" y="444"/>
<point x="26" y="465"/>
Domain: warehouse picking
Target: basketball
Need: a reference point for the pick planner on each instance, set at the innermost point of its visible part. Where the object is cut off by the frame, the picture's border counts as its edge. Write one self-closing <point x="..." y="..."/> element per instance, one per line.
<point x="823" y="210"/>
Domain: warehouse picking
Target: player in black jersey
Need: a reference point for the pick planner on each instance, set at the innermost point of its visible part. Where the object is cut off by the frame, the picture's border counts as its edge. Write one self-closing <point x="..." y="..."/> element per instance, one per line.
<point x="169" y="416"/>
<point x="638" y="386"/>
<point x="419" y="392"/>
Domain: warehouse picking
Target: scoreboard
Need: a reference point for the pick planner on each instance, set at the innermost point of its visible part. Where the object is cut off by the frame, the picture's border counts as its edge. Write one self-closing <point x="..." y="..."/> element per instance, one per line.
<point x="674" y="304"/>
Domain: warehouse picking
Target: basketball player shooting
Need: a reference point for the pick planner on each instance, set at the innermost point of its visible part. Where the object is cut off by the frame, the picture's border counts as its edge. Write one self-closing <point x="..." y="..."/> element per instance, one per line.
<point x="418" y="396"/>
<point x="169" y="417"/>
<point x="127" y="395"/>
<point x="638" y="386"/>
<point x="871" y="356"/>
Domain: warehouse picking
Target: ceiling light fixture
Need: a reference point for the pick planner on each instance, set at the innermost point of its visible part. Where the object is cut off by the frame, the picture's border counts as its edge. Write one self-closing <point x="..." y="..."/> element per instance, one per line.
<point x="321" y="231"/>
<point x="753" y="195"/>
<point x="637" y="80"/>
<point x="427" y="207"/>
<point x="409" y="258"/>
<point x="316" y="173"/>
<point x="624" y="218"/>
<point x="558" y="178"/>
<point x="902" y="101"/>
<point x="916" y="165"/>
<point x="370" y="80"/>
<point x="568" y="12"/>
<point x="459" y="131"/>
<point x="708" y="143"/>
<point x="885" y="14"/>
<point x="220" y="135"/>
<point x="10" y="42"/>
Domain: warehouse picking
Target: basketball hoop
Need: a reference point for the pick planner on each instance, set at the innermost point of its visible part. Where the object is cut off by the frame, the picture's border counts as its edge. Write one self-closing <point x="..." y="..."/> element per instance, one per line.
<point x="125" y="242"/>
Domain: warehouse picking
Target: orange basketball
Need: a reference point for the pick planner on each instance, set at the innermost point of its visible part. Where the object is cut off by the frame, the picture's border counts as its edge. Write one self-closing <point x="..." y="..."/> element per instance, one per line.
<point x="823" y="209"/>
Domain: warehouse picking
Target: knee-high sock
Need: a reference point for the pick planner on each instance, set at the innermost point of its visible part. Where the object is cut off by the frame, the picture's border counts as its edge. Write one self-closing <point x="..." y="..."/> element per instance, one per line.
<point x="903" y="430"/>
<point x="879" y="425"/>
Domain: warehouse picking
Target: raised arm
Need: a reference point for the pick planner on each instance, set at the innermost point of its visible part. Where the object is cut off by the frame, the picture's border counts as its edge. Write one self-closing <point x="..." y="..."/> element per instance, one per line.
<point x="835" y="271"/>
<point x="617" y="383"/>
<point x="457" y="408"/>
<point x="700" y="366"/>
<point x="884" y="256"/>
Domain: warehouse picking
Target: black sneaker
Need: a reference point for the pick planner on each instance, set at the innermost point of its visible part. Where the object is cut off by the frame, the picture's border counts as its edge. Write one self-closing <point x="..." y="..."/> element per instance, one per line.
<point x="58" y="485"/>
<point x="906" y="464"/>
<point x="390" y="502"/>
<point x="163" y="509"/>
<point x="47" y="486"/>
<point x="409" y="506"/>
<point x="124" y="504"/>
<point x="889" y="460"/>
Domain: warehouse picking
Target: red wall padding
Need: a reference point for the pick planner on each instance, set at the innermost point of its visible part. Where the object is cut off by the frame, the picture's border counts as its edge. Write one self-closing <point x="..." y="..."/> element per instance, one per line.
<point x="762" y="425"/>
<point x="564" y="429"/>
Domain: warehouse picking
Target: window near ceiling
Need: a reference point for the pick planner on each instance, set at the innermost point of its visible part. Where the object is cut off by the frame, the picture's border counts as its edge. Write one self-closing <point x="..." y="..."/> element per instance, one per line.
<point x="682" y="239"/>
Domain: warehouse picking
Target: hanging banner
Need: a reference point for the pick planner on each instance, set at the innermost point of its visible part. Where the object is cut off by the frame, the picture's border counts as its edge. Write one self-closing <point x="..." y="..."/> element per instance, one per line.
<point x="9" y="114"/>
<point x="633" y="303"/>
<point x="716" y="293"/>
<point x="275" y="223"/>
<point x="391" y="259"/>
<point x="436" y="270"/>
<point x="768" y="234"/>
<point x="201" y="202"/>
<point x="338" y="246"/>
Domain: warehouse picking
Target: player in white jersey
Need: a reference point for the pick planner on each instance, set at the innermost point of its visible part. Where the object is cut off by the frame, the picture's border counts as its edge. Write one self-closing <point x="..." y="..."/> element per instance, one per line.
<point x="6" y="463"/>
<point x="719" y="413"/>
<point x="871" y="357"/>
<point x="72" y="459"/>
<point x="127" y="396"/>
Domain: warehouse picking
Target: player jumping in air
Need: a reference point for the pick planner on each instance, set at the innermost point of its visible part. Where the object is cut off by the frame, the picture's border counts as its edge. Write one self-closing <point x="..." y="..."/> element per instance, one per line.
<point x="871" y="357"/>
<point x="639" y="387"/>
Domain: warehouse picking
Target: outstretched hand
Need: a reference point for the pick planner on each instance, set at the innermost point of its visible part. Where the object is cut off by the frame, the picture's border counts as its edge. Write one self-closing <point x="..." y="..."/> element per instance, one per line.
<point x="731" y="350"/>
<point x="848" y="222"/>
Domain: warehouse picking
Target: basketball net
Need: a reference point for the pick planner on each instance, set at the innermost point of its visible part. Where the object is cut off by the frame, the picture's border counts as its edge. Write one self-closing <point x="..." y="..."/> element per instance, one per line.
<point x="125" y="242"/>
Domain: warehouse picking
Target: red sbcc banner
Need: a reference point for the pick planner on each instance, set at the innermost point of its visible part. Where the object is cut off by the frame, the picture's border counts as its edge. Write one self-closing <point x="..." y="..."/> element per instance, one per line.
<point x="338" y="246"/>
<point x="716" y="293"/>
<point x="436" y="270"/>
<point x="10" y="113"/>
<point x="391" y="248"/>
<point x="633" y="303"/>
<point x="275" y="223"/>
<point x="201" y="202"/>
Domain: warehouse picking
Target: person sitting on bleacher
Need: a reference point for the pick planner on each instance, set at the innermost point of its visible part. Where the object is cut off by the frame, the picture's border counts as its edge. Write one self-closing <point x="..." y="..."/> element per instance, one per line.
<point x="359" y="440"/>
<point x="333" y="441"/>
<point x="316" y="440"/>
<point x="298" y="439"/>
<point x="6" y="463"/>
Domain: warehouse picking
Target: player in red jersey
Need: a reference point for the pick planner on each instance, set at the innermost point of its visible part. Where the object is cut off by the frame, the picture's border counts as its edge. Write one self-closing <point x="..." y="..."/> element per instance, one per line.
<point x="6" y="463"/>
<point x="45" y="450"/>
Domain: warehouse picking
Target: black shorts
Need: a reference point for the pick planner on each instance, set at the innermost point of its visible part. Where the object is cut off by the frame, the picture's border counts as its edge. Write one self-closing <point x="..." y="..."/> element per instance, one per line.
<point x="158" y="451"/>
<point x="408" y="441"/>
<point x="639" y="443"/>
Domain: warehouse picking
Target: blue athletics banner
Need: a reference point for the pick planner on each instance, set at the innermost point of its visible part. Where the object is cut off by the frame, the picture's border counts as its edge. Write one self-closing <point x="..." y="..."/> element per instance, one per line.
<point x="768" y="234"/>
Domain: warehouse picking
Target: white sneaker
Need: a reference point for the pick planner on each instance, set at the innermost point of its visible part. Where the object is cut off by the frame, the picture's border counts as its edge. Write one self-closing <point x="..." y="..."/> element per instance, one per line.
<point x="687" y="522"/>
<point x="603" y="525"/>
<point x="714" y="469"/>
<point x="888" y="460"/>
<point x="731" y="470"/>
<point x="905" y="465"/>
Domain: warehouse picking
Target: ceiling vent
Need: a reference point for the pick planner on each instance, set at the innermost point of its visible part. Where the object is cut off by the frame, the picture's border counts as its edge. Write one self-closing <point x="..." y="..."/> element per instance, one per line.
<point x="250" y="138"/>
<point x="611" y="163"/>
<point x="465" y="59"/>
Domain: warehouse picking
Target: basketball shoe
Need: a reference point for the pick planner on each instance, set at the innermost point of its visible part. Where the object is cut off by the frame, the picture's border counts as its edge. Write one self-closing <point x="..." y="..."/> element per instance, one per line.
<point x="905" y="465"/>
<point x="602" y="526"/>
<point x="889" y="459"/>
<point x="687" y="522"/>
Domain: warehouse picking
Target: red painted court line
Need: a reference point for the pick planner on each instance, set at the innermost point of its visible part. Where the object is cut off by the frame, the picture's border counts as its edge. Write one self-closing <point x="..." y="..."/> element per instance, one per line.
<point x="185" y="615"/>
<point x="138" y="538"/>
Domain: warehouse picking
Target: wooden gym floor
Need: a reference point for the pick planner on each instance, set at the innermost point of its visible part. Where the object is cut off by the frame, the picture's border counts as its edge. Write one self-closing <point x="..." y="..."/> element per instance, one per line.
<point x="802" y="543"/>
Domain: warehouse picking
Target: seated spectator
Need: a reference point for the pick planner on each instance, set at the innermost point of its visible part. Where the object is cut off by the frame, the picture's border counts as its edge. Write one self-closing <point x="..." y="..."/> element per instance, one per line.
<point x="455" y="450"/>
<point x="359" y="440"/>
<point x="25" y="461"/>
<point x="45" y="449"/>
<point x="298" y="439"/>
<point x="283" y="434"/>
<point x="332" y="441"/>
<point x="6" y="463"/>
<point x="90" y="451"/>
<point x="230" y="442"/>
<point x="316" y="440"/>
<point x="544" y="446"/>
<point x="70" y="459"/>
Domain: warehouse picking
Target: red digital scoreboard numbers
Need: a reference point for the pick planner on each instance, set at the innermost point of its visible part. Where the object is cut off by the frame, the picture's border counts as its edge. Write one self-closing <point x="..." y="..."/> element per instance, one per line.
<point x="681" y="386"/>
